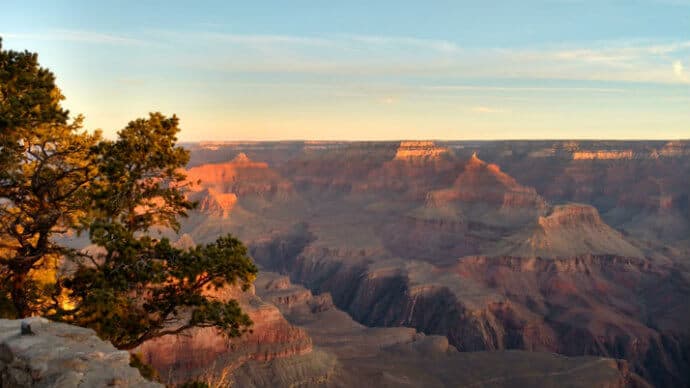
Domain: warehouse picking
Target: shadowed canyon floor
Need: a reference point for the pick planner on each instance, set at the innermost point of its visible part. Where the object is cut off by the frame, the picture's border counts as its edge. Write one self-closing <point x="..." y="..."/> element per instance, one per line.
<point x="508" y="256"/>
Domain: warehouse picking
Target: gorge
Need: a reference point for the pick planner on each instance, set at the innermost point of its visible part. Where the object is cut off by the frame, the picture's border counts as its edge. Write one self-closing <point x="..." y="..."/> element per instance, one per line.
<point x="490" y="245"/>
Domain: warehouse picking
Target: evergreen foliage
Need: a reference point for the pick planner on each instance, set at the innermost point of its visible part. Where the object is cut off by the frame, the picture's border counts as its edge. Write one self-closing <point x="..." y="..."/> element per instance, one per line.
<point x="56" y="178"/>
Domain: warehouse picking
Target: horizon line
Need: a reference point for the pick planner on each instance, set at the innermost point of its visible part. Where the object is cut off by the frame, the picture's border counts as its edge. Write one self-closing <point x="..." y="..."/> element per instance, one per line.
<point x="435" y="140"/>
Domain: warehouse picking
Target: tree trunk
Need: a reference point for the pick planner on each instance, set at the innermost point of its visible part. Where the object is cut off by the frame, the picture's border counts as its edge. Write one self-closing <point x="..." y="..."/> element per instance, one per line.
<point x="19" y="297"/>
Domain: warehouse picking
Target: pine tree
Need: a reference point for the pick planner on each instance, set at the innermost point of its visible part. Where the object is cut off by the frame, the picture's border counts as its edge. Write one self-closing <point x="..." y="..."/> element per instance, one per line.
<point x="140" y="287"/>
<point x="46" y="166"/>
<point x="56" y="178"/>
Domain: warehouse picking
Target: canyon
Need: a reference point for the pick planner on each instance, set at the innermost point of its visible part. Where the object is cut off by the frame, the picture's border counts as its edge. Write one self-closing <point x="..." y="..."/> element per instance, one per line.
<point x="447" y="263"/>
<point x="302" y="339"/>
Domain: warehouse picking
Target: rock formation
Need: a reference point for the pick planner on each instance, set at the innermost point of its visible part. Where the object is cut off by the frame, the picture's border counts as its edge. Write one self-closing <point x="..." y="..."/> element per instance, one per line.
<point x="206" y="354"/>
<point x="482" y="182"/>
<point x="574" y="306"/>
<point x="568" y="231"/>
<point x="675" y="149"/>
<point x="549" y="252"/>
<point x="419" y="150"/>
<point x="397" y="355"/>
<point x="60" y="355"/>
<point x="241" y="177"/>
<point x="603" y="155"/>
<point x="215" y="203"/>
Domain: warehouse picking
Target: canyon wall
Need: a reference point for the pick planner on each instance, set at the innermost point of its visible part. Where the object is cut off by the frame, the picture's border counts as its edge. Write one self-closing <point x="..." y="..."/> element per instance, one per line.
<point x="578" y="248"/>
<point x="552" y="305"/>
<point x="205" y="354"/>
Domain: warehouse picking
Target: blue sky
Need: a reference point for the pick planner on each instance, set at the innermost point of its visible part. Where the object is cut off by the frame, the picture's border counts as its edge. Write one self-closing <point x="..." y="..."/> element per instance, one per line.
<point x="357" y="70"/>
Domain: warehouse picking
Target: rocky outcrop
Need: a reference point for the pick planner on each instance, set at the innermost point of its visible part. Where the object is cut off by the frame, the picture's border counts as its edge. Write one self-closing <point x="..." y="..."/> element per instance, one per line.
<point x="60" y="355"/>
<point x="243" y="159"/>
<point x="482" y="182"/>
<point x="336" y="168"/>
<point x="567" y="231"/>
<point x="401" y="170"/>
<point x="420" y="151"/>
<point x="206" y="353"/>
<point x="243" y="178"/>
<point x="215" y="203"/>
<point x="647" y="198"/>
<point x="675" y="149"/>
<point x="603" y="155"/>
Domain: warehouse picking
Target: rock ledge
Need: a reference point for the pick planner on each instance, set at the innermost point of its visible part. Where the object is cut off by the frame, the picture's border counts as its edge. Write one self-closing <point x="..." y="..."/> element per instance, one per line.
<point x="61" y="355"/>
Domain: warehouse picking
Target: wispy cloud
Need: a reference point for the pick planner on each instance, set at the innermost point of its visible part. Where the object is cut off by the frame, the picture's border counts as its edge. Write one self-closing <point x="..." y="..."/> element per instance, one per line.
<point x="388" y="100"/>
<point x="442" y="46"/>
<point x="75" y="36"/>
<point x="335" y="42"/>
<point x="486" y="109"/>
<point x="555" y="89"/>
<point x="621" y="51"/>
<point x="679" y="71"/>
<point x="258" y="39"/>
<point x="404" y="56"/>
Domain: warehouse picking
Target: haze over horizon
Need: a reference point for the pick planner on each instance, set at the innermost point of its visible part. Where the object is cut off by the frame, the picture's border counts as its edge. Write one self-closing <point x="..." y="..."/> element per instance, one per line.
<point x="356" y="71"/>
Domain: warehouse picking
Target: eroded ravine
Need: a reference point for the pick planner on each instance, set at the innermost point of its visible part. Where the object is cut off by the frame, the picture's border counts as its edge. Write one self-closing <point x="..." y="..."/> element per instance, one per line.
<point x="484" y="303"/>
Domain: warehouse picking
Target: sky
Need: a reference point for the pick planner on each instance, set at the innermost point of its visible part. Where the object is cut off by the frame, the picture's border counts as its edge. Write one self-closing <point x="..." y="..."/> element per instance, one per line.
<point x="369" y="70"/>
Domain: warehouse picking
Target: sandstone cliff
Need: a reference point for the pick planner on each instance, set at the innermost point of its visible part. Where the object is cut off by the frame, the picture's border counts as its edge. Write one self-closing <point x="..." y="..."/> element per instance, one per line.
<point x="243" y="178"/>
<point x="567" y="231"/>
<point x="395" y="356"/>
<point x="453" y="245"/>
<point x="206" y="354"/>
<point x="574" y="306"/>
<point x="485" y="183"/>
<point x="213" y="202"/>
<point x="420" y="150"/>
<point x="603" y="155"/>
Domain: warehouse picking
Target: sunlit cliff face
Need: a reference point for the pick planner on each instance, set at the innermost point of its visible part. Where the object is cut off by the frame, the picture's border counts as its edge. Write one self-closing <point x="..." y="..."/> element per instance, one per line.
<point x="602" y="155"/>
<point x="434" y="229"/>
<point x="410" y="150"/>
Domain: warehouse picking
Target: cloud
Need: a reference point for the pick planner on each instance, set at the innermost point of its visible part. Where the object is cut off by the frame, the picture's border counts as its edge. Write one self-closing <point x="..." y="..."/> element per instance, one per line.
<point x="679" y="71"/>
<point x="401" y="56"/>
<point x="389" y="100"/>
<point x="263" y="40"/>
<point x="442" y="46"/>
<point x="75" y="36"/>
<point x="613" y="52"/>
<point x="556" y="89"/>
<point x="296" y="42"/>
<point x="625" y="61"/>
<point x="486" y="109"/>
<point x="357" y="55"/>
